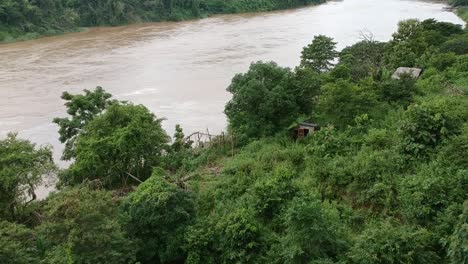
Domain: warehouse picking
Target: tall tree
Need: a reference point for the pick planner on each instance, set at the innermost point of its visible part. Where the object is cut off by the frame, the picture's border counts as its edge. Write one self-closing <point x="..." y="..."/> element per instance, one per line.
<point x="22" y="167"/>
<point x="265" y="101"/>
<point x="123" y="143"/>
<point x="314" y="231"/>
<point x="82" y="108"/>
<point x="339" y="103"/>
<point x="319" y="54"/>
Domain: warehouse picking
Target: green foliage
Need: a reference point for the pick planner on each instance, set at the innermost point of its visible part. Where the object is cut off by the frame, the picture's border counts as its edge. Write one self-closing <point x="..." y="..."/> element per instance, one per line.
<point x="177" y="153"/>
<point x="200" y="243"/>
<point x="385" y="242"/>
<point x="339" y="103"/>
<point x="452" y="154"/>
<point x="457" y="45"/>
<point x="82" y="109"/>
<point x="319" y="54"/>
<point x="402" y="55"/>
<point x="395" y="149"/>
<point x="124" y="140"/>
<point x="363" y="59"/>
<point x="265" y="101"/>
<point x="26" y="19"/>
<point x="374" y="178"/>
<point x="443" y="61"/>
<point x="458" y="251"/>
<point x="310" y="81"/>
<point x="399" y="91"/>
<point x="179" y="139"/>
<point x="384" y="182"/>
<point x="159" y="214"/>
<point x="272" y="192"/>
<point x="408" y="30"/>
<point x="81" y="225"/>
<point x="22" y="167"/>
<point x="422" y="129"/>
<point x="314" y="231"/>
<point x="17" y="244"/>
<point x="445" y="29"/>
<point x="415" y="37"/>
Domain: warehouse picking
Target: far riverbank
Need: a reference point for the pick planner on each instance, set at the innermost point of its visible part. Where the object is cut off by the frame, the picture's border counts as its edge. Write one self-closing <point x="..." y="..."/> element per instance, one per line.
<point x="16" y="24"/>
<point x="462" y="12"/>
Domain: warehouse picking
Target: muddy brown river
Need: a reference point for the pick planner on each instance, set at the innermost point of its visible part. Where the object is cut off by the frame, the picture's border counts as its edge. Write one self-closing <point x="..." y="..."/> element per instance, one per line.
<point x="178" y="70"/>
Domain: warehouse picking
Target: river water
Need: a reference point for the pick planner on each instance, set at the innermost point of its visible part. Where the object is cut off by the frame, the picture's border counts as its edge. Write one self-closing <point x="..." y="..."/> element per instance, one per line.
<point x="178" y="70"/>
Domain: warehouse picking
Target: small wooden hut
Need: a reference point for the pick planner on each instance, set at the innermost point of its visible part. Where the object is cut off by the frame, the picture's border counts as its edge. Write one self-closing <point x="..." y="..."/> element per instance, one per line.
<point x="303" y="129"/>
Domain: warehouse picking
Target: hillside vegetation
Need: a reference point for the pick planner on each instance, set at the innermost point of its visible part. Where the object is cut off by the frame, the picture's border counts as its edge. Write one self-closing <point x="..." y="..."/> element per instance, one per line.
<point x="26" y="19"/>
<point x="384" y="180"/>
<point x="462" y="8"/>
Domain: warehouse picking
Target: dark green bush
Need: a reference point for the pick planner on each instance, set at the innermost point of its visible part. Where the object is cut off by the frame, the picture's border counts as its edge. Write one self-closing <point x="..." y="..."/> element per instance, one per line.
<point x="159" y="213"/>
<point x="393" y="243"/>
<point x="457" y="45"/>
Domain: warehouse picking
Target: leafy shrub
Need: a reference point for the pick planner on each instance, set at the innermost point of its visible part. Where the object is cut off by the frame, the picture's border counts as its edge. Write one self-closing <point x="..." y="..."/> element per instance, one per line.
<point x="313" y="231"/>
<point x="423" y="129"/>
<point x="319" y="54"/>
<point x="17" y="244"/>
<point x="458" y="2"/>
<point x="399" y="91"/>
<point x="390" y="243"/>
<point x="341" y="102"/>
<point x="458" y="251"/>
<point x="363" y="59"/>
<point x="84" y="226"/>
<point x="240" y="237"/>
<point x="22" y="168"/>
<point x="274" y="191"/>
<point x="432" y="190"/>
<point x="159" y="214"/>
<point x="457" y="45"/>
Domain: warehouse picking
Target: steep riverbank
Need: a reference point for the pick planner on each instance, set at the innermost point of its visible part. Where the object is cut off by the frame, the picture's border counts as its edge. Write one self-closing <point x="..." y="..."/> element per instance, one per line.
<point x="178" y="70"/>
<point x="382" y="181"/>
<point x="25" y="20"/>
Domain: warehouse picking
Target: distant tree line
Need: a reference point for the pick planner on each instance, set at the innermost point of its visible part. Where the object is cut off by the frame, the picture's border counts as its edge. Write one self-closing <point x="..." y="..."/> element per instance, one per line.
<point x="31" y="18"/>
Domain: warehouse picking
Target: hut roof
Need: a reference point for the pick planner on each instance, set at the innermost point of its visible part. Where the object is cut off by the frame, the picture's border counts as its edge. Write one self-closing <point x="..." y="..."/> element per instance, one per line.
<point x="413" y="72"/>
<point x="308" y="124"/>
<point x="303" y="121"/>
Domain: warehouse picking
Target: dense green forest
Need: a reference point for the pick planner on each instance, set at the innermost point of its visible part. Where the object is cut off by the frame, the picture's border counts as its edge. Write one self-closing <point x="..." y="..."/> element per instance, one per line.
<point x="384" y="180"/>
<point x="26" y="19"/>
